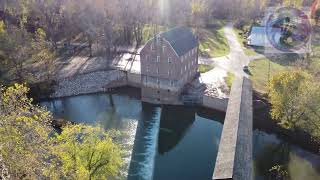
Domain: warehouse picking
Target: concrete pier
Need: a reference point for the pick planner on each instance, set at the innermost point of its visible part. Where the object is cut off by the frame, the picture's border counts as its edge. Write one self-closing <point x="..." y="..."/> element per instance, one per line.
<point x="234" y="159"/>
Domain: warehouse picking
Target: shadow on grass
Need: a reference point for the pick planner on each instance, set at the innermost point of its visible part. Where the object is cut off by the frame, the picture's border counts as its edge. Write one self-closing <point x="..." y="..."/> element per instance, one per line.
<point x="284" y="59"/>
<point x="213" y="39"/>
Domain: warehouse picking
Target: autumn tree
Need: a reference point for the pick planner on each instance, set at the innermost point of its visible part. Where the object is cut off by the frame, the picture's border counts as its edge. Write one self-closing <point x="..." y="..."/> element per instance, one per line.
<point x="2" y="56"/>
<point x="24" y="130"/>
<point x="29" y="148"/>
<point x="2" y="28"/>
<point x="16" y="49"/>
<point x="294" y="3"/>
<point x="197" y="10"/>
<point x="317" y="15"/>
<point x="295" y="101"/>
<point x="43" y="54"/>
<point x="87" y="153"/>
<point x="50" y="14"/>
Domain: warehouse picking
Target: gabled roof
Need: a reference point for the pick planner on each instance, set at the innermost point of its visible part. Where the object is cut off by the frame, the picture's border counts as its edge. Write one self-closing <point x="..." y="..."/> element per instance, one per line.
<point x="258" y="36"/>
<point x="258" y="30"/>
<point x="262" y="30"/>
<point x="181" y="39"/>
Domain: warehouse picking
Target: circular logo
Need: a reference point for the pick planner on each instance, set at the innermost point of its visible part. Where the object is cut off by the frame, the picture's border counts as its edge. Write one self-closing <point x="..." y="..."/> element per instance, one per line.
<point x="288" y="29"/>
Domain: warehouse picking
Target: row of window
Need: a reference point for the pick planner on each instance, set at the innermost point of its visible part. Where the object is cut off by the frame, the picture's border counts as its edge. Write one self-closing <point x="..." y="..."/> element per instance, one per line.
<point x="192" y="52"/>
<point x="148" y="70"/>
<point x="158" y="39"/>
<point x="188" y="74"/>
<point x="182" y="57"/>
<point x="189" y="65"/>
<point x="169" y="59"/>
<point x="157" y="80"/>
<point x="158" y="59"/>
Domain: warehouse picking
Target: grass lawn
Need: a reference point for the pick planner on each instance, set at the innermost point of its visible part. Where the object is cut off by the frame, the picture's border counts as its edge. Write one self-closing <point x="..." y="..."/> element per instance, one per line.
<point x="204" y="68"/>
<point x="259" y="73"/>
<point x="239" y="34"/>
<point x="213" y="42"/>
<point x="229" y="79"/>
<point x="249" y="51"/>
<point x="253" y="51"/>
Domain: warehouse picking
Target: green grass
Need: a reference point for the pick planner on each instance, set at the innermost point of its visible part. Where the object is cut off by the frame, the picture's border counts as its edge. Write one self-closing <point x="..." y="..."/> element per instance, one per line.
<point x="259" y="73"/>
<point x="315" y="66"/>
<point x="216" y="22"/>
<point x="239" y="33"/>
<point x="250" y="52"/>
<point x="229" y="79"/>
<point x="204" y="68"/>
<point x="213" y="42"/>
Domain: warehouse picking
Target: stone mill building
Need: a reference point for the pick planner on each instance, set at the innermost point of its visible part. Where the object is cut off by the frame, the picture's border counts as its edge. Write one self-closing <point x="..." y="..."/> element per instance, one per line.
<point x="169" y="61"/>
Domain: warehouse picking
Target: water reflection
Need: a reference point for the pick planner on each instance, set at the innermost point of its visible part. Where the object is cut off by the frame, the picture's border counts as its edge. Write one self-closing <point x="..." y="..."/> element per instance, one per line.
<point x="294" y="163"/>
<point x="156" y="138"/>
<point x="107" y="110"/>
<point x="174" y="123"/>
<point x="175" y="142"/>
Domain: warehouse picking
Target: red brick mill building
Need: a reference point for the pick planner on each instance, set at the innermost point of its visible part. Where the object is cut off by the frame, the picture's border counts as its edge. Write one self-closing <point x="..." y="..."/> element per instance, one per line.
<point x="168" y="62"/>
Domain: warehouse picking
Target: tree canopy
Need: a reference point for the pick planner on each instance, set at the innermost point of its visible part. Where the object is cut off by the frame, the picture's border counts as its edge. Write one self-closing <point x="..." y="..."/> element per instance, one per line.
<point x="24" y="130"/>
<point x="295" y="98"/>
<point x="87" y="153"/>
<point x="30" y="148"/>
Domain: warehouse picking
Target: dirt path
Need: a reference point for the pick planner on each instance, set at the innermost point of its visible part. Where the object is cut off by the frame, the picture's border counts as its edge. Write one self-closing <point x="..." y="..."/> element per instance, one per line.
<point x="234" y="61"/>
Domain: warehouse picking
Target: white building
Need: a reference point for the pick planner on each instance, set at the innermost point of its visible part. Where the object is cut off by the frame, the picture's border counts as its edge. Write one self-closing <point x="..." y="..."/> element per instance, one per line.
<point x="258" y="36"/>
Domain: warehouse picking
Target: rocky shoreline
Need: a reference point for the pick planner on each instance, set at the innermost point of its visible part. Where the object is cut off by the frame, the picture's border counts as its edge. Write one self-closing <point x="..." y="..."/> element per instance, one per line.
<point x="86" y="83"/>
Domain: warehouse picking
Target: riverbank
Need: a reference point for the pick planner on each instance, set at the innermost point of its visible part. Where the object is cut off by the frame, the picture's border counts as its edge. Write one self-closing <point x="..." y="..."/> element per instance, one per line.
<point x="93" y="82"/>
<point x="106" y="80"/>
<point x="185" y="135"/>
<point x="263" y="121"/>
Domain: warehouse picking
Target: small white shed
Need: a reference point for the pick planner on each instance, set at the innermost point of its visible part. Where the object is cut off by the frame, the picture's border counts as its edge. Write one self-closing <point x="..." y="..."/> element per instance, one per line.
<point x="258" y="36"/>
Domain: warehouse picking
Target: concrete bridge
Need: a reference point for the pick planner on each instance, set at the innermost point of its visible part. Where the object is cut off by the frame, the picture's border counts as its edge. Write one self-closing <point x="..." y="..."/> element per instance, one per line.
<point x="234" y="159"/>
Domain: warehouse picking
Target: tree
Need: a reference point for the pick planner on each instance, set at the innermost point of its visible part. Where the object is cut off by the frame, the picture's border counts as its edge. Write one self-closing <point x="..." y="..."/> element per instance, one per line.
<point x="197" y="10"/>
<point x="24" y="130"/>
<point x="90" y="21"/>
<point x="294" y="3"/>
<point x="30" y="149"/>
<point x="279" y="172"/>
<point x="87" y="153"/>
<point x="16" y="48"/>
<point x="2" y="56"/>
<point x="2" y="27"/>
<point x="43" y="54"/>
<point x="317" y="15"/>
<point x="295" y="101"/>
<point x="19" y="49"/>
<point x="50" y="14"/>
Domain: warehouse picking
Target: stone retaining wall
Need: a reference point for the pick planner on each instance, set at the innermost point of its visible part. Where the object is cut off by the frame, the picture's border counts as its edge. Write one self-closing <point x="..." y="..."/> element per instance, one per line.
<point x="86" y="83"/>
<point x="217" y="103"/>
<point x="134" y="79"/>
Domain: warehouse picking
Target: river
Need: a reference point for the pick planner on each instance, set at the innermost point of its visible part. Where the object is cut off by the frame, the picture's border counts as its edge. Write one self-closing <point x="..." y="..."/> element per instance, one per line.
<point x="176" y="142"/>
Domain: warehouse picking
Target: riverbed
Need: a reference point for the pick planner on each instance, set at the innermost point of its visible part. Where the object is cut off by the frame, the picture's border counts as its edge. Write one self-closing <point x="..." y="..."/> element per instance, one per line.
<point x="176" y="142"/>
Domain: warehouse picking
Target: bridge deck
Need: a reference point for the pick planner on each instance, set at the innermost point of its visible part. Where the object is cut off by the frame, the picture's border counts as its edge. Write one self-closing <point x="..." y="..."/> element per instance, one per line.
<point x="234" y="159"/>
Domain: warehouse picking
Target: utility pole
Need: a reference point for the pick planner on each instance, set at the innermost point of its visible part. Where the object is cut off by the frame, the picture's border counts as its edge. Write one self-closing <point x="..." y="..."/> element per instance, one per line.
<point x="269" y="74"/>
